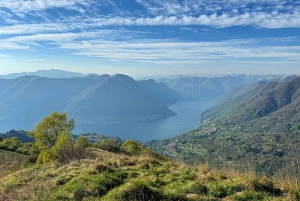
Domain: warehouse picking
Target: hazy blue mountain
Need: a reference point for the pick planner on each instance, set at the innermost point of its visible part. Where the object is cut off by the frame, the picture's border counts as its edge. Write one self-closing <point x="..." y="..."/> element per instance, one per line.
<point x="243" y="89"/>
<point x="54" y="73"/>
<point x="210" y="88"/>
<point x="29" y="98"/>
<point x="239" y="90"/>
<point x="117" y="99"/>
<point x="90" y="99"/>
<point x="160" y="91"/>
<point x="267" y="98"/>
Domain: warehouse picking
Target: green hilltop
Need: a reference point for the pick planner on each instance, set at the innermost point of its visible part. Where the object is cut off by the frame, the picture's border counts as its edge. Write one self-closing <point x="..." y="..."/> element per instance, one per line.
<point x="143" y="177"/>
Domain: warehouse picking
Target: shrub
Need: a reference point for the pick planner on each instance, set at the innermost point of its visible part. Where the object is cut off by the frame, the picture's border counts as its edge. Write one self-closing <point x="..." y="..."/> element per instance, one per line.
<point x="82" y="141"/>
<point x="132" y="147"/>
<point x="111" y="145"/>
<point x="69" y="152"/>
<point x="22" y="151"/>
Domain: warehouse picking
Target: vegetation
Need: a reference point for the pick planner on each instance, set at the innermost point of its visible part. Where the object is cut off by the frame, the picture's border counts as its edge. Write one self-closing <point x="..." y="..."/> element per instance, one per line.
<point x="247" y="151"/>
<point x="260" y="128"/>
<point x="48" y="131"/>
<point x="111" y="176"/>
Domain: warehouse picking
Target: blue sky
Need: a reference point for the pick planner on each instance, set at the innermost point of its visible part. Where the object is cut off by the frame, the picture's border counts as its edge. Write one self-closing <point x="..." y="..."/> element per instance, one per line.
<point x="148" y="37"/>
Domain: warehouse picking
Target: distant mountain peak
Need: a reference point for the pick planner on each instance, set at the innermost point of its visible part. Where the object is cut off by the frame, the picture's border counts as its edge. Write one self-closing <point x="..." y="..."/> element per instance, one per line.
<point x="53" y="73"/>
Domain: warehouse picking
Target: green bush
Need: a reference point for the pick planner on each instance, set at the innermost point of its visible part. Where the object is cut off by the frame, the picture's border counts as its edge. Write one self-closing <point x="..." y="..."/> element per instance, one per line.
<point x="111" y="145"/>
<point x="22" y="151"/>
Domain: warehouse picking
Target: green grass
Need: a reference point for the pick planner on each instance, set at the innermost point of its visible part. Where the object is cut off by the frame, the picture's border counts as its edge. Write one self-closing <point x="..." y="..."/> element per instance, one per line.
<point x="12" y="161"/>
<point x="117" y="177"/>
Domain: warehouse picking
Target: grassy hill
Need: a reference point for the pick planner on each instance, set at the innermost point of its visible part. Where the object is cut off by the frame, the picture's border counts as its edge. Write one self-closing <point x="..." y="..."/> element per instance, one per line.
<point x="11" y="161"/>
<point x="118" y="177"/>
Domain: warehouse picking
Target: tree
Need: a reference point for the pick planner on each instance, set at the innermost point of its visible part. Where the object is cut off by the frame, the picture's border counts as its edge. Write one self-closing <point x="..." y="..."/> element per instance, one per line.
<point x="48" y="131"/>
<point x="132" y="147"/>
<point x="1" y="138"/>
<point x="82" y="141"/>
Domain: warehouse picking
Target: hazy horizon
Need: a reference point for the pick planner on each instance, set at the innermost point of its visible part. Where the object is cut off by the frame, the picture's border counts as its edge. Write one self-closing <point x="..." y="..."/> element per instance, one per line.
<point x="152" y="76"/>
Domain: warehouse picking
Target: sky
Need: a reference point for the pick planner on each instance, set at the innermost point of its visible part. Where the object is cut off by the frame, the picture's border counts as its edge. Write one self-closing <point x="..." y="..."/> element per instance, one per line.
<point x="151" y="37"/>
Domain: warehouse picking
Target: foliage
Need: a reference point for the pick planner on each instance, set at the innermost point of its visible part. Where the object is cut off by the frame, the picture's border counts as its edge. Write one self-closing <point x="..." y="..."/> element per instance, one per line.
<point x="260" y="128"/>
<point x="132" y="147"/>
<point x="111" y="145"/>
<point x="68" y="152"/>
<point x="82" y="141"/>
<point x="11" y="144"/>
<point x="47" y="132"/>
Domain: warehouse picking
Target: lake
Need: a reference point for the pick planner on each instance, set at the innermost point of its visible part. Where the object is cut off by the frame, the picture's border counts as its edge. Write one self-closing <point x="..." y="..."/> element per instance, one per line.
<point x="188" y="117"/>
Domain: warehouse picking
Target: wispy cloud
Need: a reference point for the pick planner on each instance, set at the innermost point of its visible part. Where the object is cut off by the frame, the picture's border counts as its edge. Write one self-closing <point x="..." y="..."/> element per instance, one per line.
<point x="181" y="51"/>
<point x="258" y="19"/>
<point x="24" y="6"/>
<point x="132" y="30"/>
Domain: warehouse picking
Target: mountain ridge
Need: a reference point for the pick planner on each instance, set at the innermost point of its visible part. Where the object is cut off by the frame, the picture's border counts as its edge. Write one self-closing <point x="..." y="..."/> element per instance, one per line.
<point x="28" y="99"/>
<point x="53" y="73"/>
<point x="250" y="130"/>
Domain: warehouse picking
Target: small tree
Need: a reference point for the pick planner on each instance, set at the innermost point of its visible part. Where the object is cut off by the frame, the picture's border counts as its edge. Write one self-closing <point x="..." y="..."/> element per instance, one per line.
<point x="1" y="138"/>
<point x="132" y="147"/>
<point x="82" y="141"/>
<point x="47" y="132"/>
<point x="51" y="134"/>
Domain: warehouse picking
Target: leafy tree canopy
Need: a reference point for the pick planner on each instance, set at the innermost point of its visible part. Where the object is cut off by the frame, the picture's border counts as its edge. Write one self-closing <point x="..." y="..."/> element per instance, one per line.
<point x="132" y="147"/>
<point x="48" y="131"/>
<point x="82" y="141"/>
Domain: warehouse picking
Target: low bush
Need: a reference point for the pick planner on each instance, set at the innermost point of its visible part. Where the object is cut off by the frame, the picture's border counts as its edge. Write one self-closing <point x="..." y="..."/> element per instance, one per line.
<point x="68" y="152"/>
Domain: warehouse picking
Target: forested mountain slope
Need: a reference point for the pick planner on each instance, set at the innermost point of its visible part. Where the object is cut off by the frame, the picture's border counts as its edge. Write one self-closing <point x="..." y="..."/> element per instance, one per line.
<point x="260" y="128"/>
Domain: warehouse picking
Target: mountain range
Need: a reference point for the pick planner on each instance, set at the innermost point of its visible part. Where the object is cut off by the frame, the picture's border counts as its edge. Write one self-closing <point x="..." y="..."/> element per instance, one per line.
<point x="211" y="88"/>
<point x="54" y="73"/>
<point x="258" y="127"/>
<point x="90" y="99"/>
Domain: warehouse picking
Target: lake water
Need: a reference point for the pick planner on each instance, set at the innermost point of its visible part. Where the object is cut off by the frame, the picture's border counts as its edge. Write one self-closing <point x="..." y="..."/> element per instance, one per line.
<point x="189" y="116"/>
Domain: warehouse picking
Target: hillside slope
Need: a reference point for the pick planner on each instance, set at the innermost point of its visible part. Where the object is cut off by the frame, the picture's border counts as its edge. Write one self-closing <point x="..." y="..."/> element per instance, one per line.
<point x="160" y="91"/>
<point x="117" y="177"/>
<point x="260" y="128"/>
<point x="211" y="88"/>
<point x="117" y="99"/>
